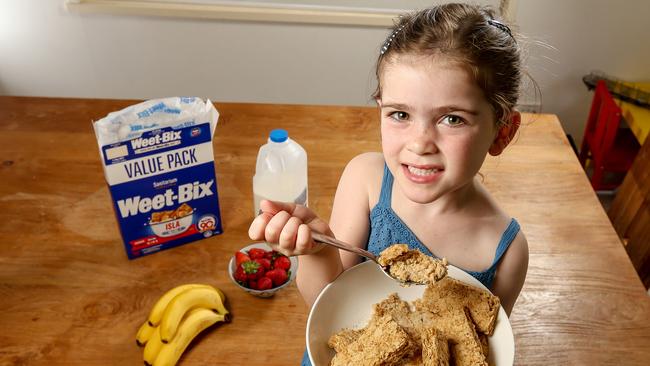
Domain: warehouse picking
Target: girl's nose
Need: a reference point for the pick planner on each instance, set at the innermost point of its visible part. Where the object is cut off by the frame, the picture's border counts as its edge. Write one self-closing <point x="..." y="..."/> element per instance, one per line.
<point x="422" y="139"/>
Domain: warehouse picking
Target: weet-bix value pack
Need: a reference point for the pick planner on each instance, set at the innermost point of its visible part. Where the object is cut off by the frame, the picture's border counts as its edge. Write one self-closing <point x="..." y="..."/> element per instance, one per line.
<point x="159" y="166"/>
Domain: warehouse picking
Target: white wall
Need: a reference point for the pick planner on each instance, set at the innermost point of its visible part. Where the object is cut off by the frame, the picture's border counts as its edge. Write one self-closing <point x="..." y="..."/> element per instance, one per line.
<point x="606" y="35"/>
<point x="47" y="51"/>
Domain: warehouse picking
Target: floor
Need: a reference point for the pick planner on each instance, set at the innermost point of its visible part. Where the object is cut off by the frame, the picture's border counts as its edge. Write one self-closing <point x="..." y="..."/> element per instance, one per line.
<point x="605" y="197"/>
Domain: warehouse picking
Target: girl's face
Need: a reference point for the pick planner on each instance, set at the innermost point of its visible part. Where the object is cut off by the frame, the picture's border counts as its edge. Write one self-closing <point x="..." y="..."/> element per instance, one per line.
<point x="436" y="125"/>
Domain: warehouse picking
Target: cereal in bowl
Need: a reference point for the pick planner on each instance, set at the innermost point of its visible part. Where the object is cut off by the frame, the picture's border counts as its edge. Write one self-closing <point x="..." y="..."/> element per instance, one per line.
<point x="449" y="325"/>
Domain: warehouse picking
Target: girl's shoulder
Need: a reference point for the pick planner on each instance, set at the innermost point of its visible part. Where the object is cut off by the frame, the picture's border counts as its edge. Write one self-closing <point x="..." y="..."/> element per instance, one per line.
<point x="368" y="162"/>
<point x="364" y="172"/>
<point x="367" y="166"/>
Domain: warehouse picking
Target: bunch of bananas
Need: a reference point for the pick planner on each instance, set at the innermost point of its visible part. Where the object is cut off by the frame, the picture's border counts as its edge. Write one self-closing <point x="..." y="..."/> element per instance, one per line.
<point x="176" y="318"/>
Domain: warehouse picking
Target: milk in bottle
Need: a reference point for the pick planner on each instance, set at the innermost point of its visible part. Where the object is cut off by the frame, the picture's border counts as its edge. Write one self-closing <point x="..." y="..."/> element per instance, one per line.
<point x="281" y="171"/>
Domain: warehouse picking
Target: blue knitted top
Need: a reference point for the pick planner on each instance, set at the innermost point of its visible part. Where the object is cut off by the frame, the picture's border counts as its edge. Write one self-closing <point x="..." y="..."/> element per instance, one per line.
<point x="386" y="229"/>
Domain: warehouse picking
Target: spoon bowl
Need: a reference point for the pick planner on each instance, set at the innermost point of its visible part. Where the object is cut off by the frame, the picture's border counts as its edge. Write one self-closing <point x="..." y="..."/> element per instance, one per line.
<point x="328" y="240"/>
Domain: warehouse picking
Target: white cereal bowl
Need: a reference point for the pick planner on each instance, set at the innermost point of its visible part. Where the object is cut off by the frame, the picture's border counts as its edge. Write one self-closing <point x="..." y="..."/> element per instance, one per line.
<point x="261" y="293"/>
<point x="347" y="303"/>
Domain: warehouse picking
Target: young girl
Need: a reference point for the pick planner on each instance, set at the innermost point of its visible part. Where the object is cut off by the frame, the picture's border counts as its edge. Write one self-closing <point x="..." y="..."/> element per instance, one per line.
<point x="448" y="82"/>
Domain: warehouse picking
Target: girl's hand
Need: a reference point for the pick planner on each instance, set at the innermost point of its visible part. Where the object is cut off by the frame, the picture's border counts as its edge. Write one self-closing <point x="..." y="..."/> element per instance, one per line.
<point x="287" y="228"/>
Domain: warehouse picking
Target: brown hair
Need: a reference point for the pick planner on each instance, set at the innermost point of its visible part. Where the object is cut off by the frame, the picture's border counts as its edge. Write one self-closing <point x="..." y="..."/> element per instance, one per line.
<point x="466" y="33"/>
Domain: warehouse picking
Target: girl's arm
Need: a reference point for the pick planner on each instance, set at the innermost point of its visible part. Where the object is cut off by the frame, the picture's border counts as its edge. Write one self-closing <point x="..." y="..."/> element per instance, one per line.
<point x="511" y="273"/>
<point x="350" y="220"/>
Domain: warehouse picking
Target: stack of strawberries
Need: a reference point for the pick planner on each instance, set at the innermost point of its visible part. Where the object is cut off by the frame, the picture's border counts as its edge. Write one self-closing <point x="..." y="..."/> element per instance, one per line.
<point x="260" y="269"/>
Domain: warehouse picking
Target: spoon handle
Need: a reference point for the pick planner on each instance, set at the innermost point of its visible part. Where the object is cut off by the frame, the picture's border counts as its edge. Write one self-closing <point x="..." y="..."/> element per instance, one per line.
<point x="341" y="245"/>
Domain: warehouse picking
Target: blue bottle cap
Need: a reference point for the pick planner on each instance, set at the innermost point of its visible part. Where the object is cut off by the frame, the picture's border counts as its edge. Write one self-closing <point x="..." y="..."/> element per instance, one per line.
<point x="279" y="135"/>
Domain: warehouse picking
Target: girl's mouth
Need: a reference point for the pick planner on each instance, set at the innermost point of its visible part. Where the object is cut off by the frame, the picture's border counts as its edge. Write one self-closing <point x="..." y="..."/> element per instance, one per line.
<point x="422" y="174"/>
<point x="420" y="171"/>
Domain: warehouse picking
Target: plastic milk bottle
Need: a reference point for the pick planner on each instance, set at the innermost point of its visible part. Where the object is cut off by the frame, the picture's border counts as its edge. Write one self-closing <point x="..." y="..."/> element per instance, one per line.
<point x="281" y="171"/>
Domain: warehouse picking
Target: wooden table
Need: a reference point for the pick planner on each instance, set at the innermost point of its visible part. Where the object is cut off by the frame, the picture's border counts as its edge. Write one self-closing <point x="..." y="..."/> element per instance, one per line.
<point x="69" y="296"/>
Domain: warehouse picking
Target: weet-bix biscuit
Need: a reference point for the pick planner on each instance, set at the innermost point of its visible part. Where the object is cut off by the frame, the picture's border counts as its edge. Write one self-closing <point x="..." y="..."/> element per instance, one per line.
<point x="159" y="166"/>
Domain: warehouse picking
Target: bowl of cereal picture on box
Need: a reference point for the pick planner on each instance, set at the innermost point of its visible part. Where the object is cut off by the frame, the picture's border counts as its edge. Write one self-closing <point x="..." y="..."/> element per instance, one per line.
<point x="365" y="317"/>
<point x="171" y="222"/>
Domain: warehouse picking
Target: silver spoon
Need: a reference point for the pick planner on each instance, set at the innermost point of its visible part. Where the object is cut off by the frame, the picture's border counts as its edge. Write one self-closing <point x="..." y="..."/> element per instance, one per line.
<point x="328" y="240"/>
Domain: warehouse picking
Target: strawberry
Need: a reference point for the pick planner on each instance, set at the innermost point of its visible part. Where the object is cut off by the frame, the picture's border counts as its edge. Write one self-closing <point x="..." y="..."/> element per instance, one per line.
<point x="282" y="262"/>
<point x="252" y="284"/>
<point x="240" y="258"/>
<point x="253" y="270"/>
<point x="278" y="276"/>
<point x="240" y="276"/>
<point x="256" y="253"/>
<point x="264" y="283"/>
<point x="263" y="262"/>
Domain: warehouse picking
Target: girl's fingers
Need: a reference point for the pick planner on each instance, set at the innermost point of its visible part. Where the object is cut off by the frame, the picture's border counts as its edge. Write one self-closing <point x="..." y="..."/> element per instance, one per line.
<point x="303" y="239"/>
<point x="258" y="226"/>
<point x="299" y="211"/>
<point x="273" y="207"/>
<point x="287" y="227"/>
<point x="288" y="235"/>
<point x="275" y="226"/>
<point x="256" y="230"/>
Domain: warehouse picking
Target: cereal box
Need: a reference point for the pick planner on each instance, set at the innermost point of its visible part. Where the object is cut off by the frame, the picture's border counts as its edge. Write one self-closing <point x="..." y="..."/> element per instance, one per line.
<point x="159" y="165"/>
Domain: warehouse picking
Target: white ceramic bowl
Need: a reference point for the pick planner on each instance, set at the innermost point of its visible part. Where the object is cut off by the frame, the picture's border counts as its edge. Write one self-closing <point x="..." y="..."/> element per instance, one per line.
<point x="347" y="303"/>
<point x="261" y="293"/>
<point x="172" y="227"/>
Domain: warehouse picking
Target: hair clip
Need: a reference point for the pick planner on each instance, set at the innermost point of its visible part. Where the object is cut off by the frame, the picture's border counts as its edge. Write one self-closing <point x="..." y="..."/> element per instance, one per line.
<point x="390" y="39"/>
<point x="501" y="26"/>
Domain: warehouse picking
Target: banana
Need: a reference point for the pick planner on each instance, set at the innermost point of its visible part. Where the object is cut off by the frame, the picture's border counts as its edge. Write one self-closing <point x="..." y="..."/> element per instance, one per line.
<point x="144" y="333"/>
<point x="197" y="321"/>
<point x="223" y="296"/>
<point x="152" y="348"/>
<point x="159" y="308"/>
<point x="155" y="343"/>
<point x="204" y="297"/>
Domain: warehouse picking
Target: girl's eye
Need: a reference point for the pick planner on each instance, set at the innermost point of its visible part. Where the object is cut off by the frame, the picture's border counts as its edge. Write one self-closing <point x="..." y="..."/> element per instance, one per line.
<point x="399" y="116"/>
<point x="452" y="120"/>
